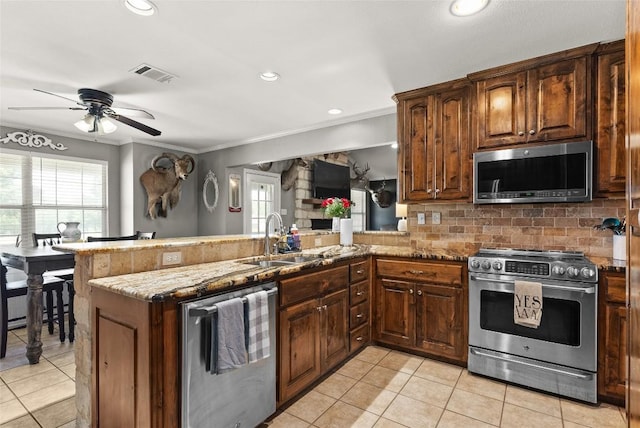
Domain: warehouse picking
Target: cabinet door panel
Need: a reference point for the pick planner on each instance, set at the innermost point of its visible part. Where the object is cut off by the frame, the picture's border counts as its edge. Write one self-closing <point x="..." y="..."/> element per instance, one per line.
<point x="395" y="317"/>
<point x="299" y="357"/>
<point x="417" y="149"/>
<point x="614" y="368"/>
<point x="501" y="110"/>
<point x="439" y="320"/>
<point x="557" y="106"/>
<point x="452" y="145"/>
<point x="335" y="329"/>
<point x="610" y="108"/>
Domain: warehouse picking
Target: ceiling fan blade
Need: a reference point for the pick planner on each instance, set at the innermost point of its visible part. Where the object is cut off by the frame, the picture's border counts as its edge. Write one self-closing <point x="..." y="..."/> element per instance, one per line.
<point x="60" y="96"/>
<point x="142" y="127"/>
<point x="46" y="108"/>
<point x="135" y="112"/>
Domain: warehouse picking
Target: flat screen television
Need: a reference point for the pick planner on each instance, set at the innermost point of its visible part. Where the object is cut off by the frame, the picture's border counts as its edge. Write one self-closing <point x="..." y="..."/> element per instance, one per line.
<point x="331" y="180"/>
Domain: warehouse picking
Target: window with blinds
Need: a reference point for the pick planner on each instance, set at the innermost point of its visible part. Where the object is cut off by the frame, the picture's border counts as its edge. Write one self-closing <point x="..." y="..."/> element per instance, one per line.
<point x="37" y="192"/>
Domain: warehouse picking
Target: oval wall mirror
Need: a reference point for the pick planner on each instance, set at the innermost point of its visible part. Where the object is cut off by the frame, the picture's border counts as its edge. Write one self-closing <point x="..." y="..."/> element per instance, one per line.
<point x="210" y="191"/>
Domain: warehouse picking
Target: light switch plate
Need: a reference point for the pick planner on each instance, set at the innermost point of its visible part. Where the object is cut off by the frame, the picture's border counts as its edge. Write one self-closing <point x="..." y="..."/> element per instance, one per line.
<point x="421" y="218"/>
<point x="317" y="242"/>
<point x="173" y="258"/>
<point x="283" y="211"/>
<point x="435" y="218"/>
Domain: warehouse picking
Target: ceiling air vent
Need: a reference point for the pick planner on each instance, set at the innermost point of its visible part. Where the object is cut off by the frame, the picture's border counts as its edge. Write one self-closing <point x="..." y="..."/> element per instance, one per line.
<point x="153" y="73"/>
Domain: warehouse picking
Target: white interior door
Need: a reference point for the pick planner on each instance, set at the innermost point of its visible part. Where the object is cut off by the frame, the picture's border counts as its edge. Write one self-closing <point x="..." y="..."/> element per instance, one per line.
<point x="261" y="197"/>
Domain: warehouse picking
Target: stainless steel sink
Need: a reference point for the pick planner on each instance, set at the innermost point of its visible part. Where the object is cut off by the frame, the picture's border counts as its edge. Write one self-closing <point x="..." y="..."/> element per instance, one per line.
<point x="299" y="259"/>
<point x="287" y="261"/>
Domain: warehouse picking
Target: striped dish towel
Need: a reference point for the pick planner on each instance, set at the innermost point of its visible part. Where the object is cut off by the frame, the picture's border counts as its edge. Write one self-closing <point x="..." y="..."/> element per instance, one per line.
<point x="257" y="317"/>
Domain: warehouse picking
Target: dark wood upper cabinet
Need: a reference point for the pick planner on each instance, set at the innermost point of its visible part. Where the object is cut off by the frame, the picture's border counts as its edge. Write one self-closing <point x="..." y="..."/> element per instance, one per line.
<point x="543" y="99"/>
<point x="434" y="136"/>
<point x="610" y="119"/>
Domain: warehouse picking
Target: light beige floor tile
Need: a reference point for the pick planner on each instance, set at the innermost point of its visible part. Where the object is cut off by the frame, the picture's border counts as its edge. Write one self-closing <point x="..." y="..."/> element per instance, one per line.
<point x="356" y="368"/>
<point x="10" y="362"/>
<point x="369" y="397"/>
<point x="26" y="421"/>
<point x="49" y="339"/>
<point x="69" y="370"/>
<point x="15" y="346"/>
<point x="10" y="410"/>
<point x="481" y="385"/>
<point x="425" y="390"/>
<point x="25" y="371"/>
<point x="372" y="354"/>
<point x="311" y="406"/>
<point x="401" y="362"/>
<point x="57" y="414"/>
<point x="386" y="423"/>
<point x="413" y="413"/>
<point x="540" y="402"/>
<point x="455" y="420"/>
<point x="335" y="385"/>
<point x="5" y="393"/>
<point x="63" y="359"/>
<point x="623" y="413"/>
<point x="436" y="371"/>
<point x="519" y="417"/>
<point x="568" y="424"/>
<point x="72" y="424"/>
<point x="383" y="377"/>
<point x="285" y="420"/>
<point x="42" y="380"/>
<point x="13" y="339"/>
<point x="475" y="406"/>
<point x="49" y="395"/>
<point x="593" y="416"/>
<point x="342" y="415"/>
<point x="57" y="349"/>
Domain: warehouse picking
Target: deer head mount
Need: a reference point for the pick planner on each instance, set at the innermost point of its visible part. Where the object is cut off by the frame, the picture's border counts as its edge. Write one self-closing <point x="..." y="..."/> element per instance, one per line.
<point x="382" y="198"/>
<point x="360" y="181"/>
<point x="289" y="176"/>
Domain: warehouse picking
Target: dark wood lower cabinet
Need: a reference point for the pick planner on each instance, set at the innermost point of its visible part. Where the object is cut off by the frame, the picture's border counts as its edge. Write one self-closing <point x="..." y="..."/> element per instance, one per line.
<point x="395" y="313"/>
<point x="439" y="321"/>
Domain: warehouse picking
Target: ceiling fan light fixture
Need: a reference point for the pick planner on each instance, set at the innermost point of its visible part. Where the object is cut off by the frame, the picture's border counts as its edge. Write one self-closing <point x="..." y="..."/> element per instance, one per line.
<point x="140" y="7"/>
<point x="86" y="124"/>
<point x="105" y="126"/>
<point x="467" y="7"/>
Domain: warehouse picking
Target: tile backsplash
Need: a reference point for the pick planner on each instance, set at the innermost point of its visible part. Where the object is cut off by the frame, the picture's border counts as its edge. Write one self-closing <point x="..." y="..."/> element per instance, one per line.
<point x="466" y="227"/>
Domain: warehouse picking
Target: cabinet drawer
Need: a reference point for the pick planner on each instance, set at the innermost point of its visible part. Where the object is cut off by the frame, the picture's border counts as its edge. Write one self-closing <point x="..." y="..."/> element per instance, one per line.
<point x="359" y="292"/>
<point x="448" y="274"/>
<point x="359" y="271"/>
<point x="313" y="285"/>
<point x="359" y="315"/>
<point x="616" y="288"/>
<point x="359" y="337"/>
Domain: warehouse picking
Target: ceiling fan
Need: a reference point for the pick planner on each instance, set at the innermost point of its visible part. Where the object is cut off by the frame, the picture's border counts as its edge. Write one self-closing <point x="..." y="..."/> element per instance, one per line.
<point x="99" y="111"/>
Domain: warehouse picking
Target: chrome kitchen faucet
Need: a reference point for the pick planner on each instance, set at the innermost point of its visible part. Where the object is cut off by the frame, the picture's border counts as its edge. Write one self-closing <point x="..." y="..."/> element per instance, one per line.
<point x="275" y="215"/>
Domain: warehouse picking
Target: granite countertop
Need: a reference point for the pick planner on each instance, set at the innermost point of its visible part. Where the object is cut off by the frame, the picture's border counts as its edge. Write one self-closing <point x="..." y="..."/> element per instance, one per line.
<point x="195" y="280"/>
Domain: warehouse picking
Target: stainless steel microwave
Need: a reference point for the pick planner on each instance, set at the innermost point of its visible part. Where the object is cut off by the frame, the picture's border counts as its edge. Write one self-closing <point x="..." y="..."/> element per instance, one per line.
<point x="552" y="173"/>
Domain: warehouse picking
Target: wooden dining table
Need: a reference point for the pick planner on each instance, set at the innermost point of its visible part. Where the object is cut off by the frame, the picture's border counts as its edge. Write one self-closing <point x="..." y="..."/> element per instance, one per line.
<point x="34" y="261"/>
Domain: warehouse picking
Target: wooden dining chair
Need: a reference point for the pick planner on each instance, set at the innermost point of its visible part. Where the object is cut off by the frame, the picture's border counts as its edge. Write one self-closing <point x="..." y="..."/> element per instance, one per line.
<point x="145" y="235"/>
<point x="44" y="239"/>
<point x="11" y="289"/>
<point x="111" y="238"/>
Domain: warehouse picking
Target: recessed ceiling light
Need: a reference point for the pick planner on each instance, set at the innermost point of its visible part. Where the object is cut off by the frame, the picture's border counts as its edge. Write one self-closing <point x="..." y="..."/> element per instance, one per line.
<point x="269" y="76"/>
<point x="467" y="7"/>
<point x="140" y="7"/>
<point x="334" y="111"/>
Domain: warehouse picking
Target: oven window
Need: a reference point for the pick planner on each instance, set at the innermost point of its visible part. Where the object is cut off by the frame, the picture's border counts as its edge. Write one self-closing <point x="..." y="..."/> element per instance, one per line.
<point x="560" y="321"/>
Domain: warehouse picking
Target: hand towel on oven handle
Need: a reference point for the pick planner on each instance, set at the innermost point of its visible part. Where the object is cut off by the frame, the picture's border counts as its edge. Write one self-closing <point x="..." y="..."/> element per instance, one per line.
<point x="257" y="326"/>
<point x="231" y="351"/>
<point x="527" y="303"/>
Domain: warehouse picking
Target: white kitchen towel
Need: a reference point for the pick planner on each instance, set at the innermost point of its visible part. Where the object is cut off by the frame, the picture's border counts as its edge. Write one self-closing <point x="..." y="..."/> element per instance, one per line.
<point x="527" y="303"/>
<point x="257" y="316"/>
<point x="231" y="349"/>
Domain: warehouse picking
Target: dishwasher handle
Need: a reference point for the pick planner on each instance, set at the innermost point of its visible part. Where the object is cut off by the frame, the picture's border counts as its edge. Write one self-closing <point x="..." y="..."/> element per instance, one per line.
<point x="205" y="311"/>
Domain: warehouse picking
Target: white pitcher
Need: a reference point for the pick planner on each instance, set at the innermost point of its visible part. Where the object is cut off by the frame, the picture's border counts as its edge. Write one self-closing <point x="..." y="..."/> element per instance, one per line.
<point x="70" y="233"/>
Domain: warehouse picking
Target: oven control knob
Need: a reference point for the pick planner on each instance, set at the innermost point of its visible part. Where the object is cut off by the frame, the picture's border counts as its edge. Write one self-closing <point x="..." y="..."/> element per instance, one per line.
<point x="497" y="265"/>
<point x="557" y="270"/>
<point x="573" y="272"/>
<point x="587" y="273"/>
<point x="486" y="265"/>
<point x="475" y="264"/>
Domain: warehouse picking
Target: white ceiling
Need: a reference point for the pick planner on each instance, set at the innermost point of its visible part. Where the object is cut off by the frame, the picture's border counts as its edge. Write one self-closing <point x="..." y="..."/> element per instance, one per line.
<point x="349" y="54"/>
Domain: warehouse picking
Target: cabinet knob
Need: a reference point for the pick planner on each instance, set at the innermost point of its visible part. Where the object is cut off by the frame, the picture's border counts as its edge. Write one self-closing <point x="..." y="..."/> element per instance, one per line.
<point x="532" y="131"/>
<point x="429" y="191"/>
<point x="416" y="272"/>
<point x="521" y="133"/>
<point x="359" y="293"/>
<point x="359" y="315"/>
<point x="359" y="338"/>
<point x="437" y="191"/>
<point x="411" y="291"/>
<point x="419" y="292"/>
<point x="324" y="307"/>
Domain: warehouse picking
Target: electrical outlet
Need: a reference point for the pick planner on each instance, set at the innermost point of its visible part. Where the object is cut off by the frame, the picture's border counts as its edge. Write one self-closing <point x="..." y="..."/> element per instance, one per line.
<point x="317" y="242"/>
<point x="421" y="218"/>
<point x="174" y="258"/>
<point x="283" y="211"/>
<point x="435" y="218"/>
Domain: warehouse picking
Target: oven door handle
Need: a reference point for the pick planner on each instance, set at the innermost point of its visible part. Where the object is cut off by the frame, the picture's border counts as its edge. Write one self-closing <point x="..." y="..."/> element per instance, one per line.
<point x="535" y="366"/>
<point x="589" y="290"/>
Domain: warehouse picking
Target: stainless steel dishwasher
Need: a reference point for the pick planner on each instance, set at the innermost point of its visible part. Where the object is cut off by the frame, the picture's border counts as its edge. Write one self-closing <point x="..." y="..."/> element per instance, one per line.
<point x="241" y="398"/>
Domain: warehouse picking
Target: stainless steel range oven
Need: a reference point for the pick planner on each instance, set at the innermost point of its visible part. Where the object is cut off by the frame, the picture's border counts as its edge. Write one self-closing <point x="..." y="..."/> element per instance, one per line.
<point x="560" y="355"/>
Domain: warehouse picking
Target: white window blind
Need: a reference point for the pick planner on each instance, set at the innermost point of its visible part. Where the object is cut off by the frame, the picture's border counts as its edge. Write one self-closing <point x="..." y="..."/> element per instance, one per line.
<point x="37" y="192"/>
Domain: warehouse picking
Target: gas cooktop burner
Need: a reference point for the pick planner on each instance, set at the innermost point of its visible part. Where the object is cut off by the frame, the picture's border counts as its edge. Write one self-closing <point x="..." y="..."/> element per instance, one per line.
<point x="561" y="265"/>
